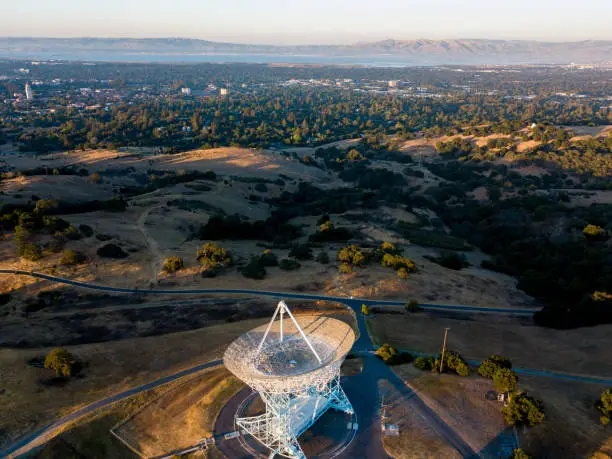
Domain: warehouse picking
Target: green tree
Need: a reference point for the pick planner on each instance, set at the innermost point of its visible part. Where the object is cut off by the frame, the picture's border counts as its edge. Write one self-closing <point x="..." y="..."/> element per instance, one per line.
<point x="268" y="258"/>
<point x="173" y="264"/>
<point x="604" y="405"/>
<point x="71" y="257"/>
<point x="301" y="252"/>
<point x="593" y="231"/>
<point x="425" y="363"/>
<point x="44" y="205"/>
<point x="211" y="254"/>
<point x="323" y="258"/>
<point x="254" y="269"/>
<point x="453" y="362"/>
<point x="288" y="264"/>
<point x="494" y="362"/>
<point x="523" y="410"/>
<point x="61" y="361"/>
<point x="505" y="380"/>
<point x="520" y="454"/>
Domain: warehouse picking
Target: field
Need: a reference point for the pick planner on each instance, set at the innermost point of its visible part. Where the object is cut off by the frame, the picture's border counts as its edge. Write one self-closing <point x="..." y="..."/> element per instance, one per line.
<point x="31" y="398"/>
<point x="461" y="404"/>
<point x="571" y="427"/>
<point x="416" y="438"/>
<point x="581" y="351"/>
<point x="180" y="417"/>
<point x="30" y="402"/>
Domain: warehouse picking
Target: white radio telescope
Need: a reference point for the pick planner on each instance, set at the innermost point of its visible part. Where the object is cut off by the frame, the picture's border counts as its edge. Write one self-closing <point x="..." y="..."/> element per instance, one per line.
<point x="295" y="368"/>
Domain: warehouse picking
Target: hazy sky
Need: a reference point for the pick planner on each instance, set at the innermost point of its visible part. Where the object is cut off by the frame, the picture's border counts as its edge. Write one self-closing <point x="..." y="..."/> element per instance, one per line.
<point x="310" y="21"/>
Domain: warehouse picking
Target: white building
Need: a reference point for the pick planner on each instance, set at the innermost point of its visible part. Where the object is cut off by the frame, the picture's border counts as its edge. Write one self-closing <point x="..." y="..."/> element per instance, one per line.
<point x="186" y="91"/>
<point x="224" y="91"/>
<point x="28" y="92"/>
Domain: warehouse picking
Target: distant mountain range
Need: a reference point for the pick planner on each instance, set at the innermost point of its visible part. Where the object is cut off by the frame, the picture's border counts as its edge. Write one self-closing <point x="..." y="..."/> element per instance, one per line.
<point x="414" y="52"/>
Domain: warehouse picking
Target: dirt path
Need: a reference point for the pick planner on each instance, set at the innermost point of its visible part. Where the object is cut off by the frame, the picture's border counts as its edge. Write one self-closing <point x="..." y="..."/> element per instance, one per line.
<point x="157" y="261"/>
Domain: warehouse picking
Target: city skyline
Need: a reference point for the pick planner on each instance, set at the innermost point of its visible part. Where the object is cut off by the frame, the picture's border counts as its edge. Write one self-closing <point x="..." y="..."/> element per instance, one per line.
<point x="317" y="22"/>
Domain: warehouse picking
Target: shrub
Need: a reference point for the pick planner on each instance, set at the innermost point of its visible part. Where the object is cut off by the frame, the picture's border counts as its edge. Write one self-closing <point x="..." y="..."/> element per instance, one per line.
<point x="173" y="264"/>
<point x="30" y="251"/>
<point x="402" y="273"/>
<point x="412" y="306"/>
<point x="388" y="247"/>
<point x="71" y="257"/>
<point x="261" y="187"/>
<point x="328" y="233"/>
<point x="593" y="231"/>
<point x="424" y="363"/>
<point x="520" y="454"/>
<point x="254" y="269"/>
<point x="209" y="270"/>
<point x="505" y="380"/>
<point x="60" y="361"/>
<point x="523" y="410"/>
<point x="72" y="233"/>
<point x="452" y="260"/>
<point x="345" y="268"/>
<point x="301" y="252"/>
<point x="323" y="258"/>
<point x="111" y="251"/>
<point x="95" y="178"/>
<point x="86" y="230"/>
<point x="391" y="356"/>
<point x="289" y="265"/>
<point x="352" y="255"/>
<point x="398" y="262"/>
<point x="45" y="205"/>
<point x="268" y="258"/>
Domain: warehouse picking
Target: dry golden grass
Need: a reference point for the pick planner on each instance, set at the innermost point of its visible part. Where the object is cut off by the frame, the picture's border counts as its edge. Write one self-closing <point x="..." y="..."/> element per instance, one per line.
<point x="571" y="426"/>
<point x="111" y="368"/>
<point x="416" y="440"/>
<point x="180" y="417"/>
<point x="460" y="402"/>
<point x="226" y="160"/>
<point x="583" y="351"/>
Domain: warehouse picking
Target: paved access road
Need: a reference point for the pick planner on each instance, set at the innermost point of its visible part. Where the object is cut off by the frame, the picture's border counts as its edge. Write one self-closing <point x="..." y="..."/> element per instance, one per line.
<point x="45" y="434"/>
<point x="355" y="303"/>
<point x="361" y="389"/>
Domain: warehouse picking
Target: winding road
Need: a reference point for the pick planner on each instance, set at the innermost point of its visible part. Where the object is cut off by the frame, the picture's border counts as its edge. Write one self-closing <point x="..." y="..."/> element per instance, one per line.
<point x="362" y="389"/>
<point x="355" y="303"/>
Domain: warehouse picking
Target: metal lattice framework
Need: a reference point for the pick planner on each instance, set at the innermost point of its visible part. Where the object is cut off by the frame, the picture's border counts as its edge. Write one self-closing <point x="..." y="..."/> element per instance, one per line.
<point x="295" y="368"/>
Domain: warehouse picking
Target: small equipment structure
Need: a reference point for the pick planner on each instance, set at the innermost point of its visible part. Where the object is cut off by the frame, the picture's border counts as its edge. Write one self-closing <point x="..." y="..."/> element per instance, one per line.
<point x="295" y="368"/>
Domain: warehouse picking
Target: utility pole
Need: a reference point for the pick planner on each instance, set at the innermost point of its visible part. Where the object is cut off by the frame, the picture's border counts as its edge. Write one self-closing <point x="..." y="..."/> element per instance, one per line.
<point x="443" y="349"/>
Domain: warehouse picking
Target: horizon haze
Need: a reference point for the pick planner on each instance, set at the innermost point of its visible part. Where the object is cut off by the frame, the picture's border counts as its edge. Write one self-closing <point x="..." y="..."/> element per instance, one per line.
<point x="339" y="23"/>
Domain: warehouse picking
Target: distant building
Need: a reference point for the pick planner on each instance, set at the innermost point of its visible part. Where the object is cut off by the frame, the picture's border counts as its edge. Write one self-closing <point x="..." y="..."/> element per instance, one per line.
<point x="186" y="91"/>
<point x="28" y="91"/>
<point x="393" y="83"/>
<point x="224" y="91"/>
